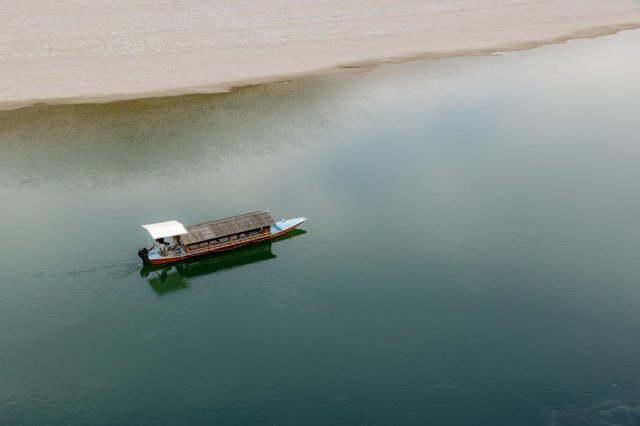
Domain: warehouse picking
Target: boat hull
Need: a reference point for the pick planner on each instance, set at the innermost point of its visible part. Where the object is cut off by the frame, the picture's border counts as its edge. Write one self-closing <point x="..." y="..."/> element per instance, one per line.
<point x="277" y="230"/>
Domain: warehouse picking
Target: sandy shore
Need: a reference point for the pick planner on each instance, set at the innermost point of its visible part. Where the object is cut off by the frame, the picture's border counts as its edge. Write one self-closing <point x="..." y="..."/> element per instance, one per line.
<point x="101" y="50"/>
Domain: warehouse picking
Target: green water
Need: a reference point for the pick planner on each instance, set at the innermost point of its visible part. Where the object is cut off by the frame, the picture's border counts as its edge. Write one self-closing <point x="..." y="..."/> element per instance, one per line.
<point x="471" y="254"/>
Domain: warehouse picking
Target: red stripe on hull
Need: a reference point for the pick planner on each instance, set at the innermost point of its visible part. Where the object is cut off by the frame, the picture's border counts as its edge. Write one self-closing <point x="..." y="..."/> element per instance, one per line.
<point x="164" y="260"/>
<point x="284" y="232"/>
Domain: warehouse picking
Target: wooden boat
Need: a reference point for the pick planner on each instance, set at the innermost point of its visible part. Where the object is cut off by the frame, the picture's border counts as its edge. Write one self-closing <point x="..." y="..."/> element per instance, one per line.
<point x="211" y="237"/>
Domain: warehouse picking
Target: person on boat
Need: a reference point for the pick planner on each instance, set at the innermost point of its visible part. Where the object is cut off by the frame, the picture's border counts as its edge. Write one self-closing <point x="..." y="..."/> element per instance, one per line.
<point x="176" y="243"/>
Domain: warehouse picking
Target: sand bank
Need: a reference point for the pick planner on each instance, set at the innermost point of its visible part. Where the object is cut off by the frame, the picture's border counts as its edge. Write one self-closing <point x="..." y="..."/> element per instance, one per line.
<point x="100" y="50"/>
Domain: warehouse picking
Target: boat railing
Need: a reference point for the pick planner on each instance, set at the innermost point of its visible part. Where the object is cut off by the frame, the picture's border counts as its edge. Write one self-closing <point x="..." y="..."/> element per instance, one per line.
<point x="229" y="242"/>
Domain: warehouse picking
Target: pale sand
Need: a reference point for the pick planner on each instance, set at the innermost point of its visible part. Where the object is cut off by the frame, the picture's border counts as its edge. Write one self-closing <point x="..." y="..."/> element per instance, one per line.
<point x="100" y="50"/>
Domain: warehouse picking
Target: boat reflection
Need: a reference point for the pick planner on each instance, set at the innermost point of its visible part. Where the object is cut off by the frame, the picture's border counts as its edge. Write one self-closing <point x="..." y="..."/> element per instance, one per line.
<point x="169" y="278"/>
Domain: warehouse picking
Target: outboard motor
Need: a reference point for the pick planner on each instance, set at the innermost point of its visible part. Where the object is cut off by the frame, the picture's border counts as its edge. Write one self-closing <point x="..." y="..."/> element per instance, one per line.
<point x="143" y="253"/>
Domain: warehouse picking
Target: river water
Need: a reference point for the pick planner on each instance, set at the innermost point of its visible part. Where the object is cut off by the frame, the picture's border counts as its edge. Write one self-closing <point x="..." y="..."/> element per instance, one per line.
<point x="471" y="254"/>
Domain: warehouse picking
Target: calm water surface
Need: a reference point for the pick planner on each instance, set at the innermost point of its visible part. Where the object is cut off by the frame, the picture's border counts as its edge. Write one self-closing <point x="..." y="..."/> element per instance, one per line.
<point x="471" y="255"/>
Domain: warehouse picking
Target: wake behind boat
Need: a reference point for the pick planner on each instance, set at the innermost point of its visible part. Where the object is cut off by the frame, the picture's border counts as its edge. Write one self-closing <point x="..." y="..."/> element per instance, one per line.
<point x="211" y="237"/>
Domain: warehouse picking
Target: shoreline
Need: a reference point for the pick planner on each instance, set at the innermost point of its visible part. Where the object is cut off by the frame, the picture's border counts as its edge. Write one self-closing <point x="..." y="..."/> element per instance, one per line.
<point x="79" y="87"/>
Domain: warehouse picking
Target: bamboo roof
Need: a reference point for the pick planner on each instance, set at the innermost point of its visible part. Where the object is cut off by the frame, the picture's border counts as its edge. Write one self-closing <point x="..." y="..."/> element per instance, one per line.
<point x="225" y="227"/>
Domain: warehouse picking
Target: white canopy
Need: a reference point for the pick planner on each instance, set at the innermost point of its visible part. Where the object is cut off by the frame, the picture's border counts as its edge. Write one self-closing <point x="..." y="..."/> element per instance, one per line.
<point x="165" y="229"/>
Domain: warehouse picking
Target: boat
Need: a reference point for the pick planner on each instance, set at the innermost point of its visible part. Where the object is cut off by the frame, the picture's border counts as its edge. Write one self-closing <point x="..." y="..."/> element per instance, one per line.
<point x="211" y="237"/>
